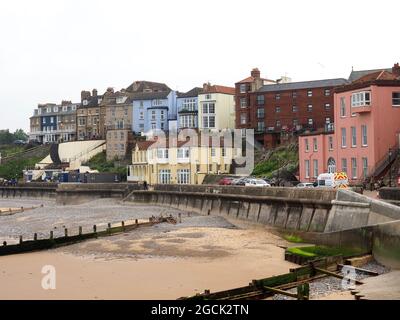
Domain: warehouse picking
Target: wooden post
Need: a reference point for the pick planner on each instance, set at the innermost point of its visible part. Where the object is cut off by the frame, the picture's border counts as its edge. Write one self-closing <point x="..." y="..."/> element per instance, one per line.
<point x="51" y="235"/>
<point x="20" y="240"/>
<point x="303" y="291"/>
<point x="66" y="232"/>
<point x="180" y="217"/>
<point x="22" y="209"/>
<point x="136" y="221"/>
<point x="80" y="230"/>
<point x="123" y="225"/>
<point x="95" y="229"/>
<point x="109" y="228"/>
<point x="35" y="237"/>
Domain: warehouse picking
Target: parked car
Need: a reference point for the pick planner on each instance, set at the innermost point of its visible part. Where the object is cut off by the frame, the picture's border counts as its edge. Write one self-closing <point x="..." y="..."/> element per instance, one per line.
<point x="240" y="182"/>
<point x="20" y="142"/>
<point x="225" y="182"/>
<point x="257" y="183"/>
<point x="305" y="185"/>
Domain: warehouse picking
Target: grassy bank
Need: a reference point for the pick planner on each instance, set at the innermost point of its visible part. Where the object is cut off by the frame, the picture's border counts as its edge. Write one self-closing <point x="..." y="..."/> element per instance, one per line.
<point x="99" y="162"/>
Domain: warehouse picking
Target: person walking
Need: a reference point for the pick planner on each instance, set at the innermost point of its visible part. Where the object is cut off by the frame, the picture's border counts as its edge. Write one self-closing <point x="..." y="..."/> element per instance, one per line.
<point x="145" y="185"/>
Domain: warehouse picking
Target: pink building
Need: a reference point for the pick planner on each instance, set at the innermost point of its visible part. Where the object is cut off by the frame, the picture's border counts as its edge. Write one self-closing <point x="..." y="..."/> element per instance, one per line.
<point x="366" y="130"/>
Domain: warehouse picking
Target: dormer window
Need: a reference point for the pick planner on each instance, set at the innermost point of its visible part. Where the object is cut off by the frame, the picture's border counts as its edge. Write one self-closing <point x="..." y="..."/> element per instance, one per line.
<point x="55" y="109"/>
<point x="243" y="88"/>
<point x="85" y="102"/>
<point x="360" y="99"/>
<point x="120" y="100"/>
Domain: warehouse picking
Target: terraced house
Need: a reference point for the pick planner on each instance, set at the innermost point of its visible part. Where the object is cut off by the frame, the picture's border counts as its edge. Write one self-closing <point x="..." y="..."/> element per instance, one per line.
<point x="185" y="162"/>
<point x="216" y="107"/>
<point x="90" y="117"/>
<point x="188" y="111"/>
<point x="367" y="126"/>
<point x="278" y="110"/>
<point x="54" y="122"/>
<point x="154" y="111"/>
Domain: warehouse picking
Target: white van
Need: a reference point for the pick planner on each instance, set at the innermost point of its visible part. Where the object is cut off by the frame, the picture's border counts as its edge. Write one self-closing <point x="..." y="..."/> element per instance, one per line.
<point x="337" y="180"/>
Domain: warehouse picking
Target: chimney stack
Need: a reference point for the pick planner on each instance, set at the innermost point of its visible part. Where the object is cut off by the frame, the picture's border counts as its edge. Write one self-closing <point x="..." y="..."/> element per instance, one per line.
<point x="94" y="93"/>
<point x="85" y="95"/>
<point x="206" y="86"/>
<point x="396" y="69"/>
<point x="255" y="73"/>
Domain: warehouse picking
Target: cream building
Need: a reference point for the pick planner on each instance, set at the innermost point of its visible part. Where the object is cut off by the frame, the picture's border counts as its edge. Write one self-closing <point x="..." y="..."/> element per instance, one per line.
<point x="216" y="106"/>
<point x="185" y="163"/>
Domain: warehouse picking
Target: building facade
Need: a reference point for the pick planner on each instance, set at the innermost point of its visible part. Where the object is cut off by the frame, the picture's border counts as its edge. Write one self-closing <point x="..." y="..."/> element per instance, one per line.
<point x="216" y="108"/>
<point x="91" y="117"/>
<point x="154" y="111"/>
<point x="278" y="111"/>
<point x="187" y="105"/>
<point x="367" y="128"/>
<point x="53" y="123"/>
<point x="185" y="163"/>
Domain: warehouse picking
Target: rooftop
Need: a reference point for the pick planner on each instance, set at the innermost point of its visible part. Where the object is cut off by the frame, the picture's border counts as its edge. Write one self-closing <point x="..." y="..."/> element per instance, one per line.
<point x="303" y="85"/>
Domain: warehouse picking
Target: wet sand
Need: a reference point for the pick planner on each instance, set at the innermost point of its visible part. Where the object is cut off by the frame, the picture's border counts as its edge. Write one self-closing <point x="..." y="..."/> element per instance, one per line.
<point x="209" y="258"/>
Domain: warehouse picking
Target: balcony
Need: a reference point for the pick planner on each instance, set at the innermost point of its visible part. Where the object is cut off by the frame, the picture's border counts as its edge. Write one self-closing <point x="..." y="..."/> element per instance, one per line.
<point x="361" y="109"/>
<point x="187" y="111"/>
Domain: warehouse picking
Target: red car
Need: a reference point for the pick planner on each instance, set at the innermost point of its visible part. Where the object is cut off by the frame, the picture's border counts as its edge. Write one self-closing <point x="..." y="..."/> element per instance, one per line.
<point x="225" y="182"/>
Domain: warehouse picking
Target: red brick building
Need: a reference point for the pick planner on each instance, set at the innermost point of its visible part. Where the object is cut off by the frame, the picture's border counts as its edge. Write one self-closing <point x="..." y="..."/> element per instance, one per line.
<point x="277" y="110"/>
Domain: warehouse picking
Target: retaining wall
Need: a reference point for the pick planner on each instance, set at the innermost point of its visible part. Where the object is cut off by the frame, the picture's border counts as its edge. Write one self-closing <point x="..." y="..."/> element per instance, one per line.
<point x="285" y="212"/>
<point x="29" y="191"/>
<point x="351" y="210"/>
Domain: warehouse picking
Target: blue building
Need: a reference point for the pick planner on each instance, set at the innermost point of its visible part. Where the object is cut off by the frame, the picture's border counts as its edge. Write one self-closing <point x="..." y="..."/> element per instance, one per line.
<point x="187" y="104"/>
<point x="154" y="111"/>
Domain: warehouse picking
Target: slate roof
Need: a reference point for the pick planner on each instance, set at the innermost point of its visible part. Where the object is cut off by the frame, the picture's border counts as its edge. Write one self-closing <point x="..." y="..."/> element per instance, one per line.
<point x="150" y="95"/>
<point x="303" y="85"/>
<point x="143" y="86"/>
<point x="191" y="93"/>
<point x="219" y="89"/>
<point x="355" y="75"/>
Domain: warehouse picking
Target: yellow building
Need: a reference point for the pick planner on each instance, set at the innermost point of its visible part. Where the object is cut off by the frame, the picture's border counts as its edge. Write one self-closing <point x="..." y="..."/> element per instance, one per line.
<point x="216" y="106"/>
<point x="184" y="163"/>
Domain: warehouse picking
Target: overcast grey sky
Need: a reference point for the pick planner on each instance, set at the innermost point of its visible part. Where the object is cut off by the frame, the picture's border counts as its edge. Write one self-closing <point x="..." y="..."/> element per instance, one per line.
<point x="52" y="49"/>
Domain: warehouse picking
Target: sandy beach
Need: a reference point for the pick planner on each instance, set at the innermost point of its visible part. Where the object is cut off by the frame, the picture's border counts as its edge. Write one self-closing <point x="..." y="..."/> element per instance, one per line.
<point x="161" y="262"/>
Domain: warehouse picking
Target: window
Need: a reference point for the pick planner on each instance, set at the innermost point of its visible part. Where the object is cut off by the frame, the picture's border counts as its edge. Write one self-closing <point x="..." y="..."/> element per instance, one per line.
<point x="327" y="106"/>
<point x="343" y="131"/>
<point x="278" y="123"/>
<point x="208" y="96"/>
<point x="141" y="127"/>
<point x="327" y="92"/>
<point x="153" y="115"/>
<point x="294" y="94"/>
<point x="243" y="118"/>
<point x="364" y="136"/>
<point x="224" y="152"/>
<point x="309" y="93"/>
<point x="213" y="152"/>
<point x="330" y="143"/>
<point x="55" y="109"/>
<point x="327" y="120"/>
<point x="243" y="88"/>
<point x="309" y="108"/>
<point x="315" y="144"/>
<point x="277" y="109"/>
<point x="162" y="115"/>
<point x="315" y="164"/>
<point x="342" y="107"/>
<point x="52" y="120"/>
<point x="260" y="100"/>
<point x="141" y="115"/>
<point x="277" y="96"/>
<point x="353" y="137"/>
<point x="183" y="176"/>
<point x="396" y="99"/>
<point x="295" y="122"/>
<point x="162" y="153"/>
<point x="164" y="176"/>
<point x="208" y="107"/>
<point x="344" y="165"/>
<point x="295" y="109"/>
<point x="360" y="99"/>
<point x="307" y="146"/>
<point x="365" y="167"/>
<point x="307" y="168"/>
<point x="183" y="153"/>
<point x="354" y="168"/>
<point x="243" y="102"/>
<point x="310" y="122"/>
<point x="260" y="113"/>
<point x="260" y="126"/>
<point x="122" y="135"/>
